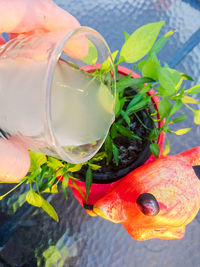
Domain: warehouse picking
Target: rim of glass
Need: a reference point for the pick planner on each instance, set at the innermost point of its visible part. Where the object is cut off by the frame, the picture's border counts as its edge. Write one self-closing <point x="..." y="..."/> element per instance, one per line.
<point x="49" y="131"/>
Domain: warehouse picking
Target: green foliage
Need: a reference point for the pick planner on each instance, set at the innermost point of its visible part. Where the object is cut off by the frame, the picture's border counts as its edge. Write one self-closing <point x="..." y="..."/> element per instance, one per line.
<point x="140" y="42"/>
<point x="46" y="173"/>
<point x="92" y="56"/>
<point x="193" y="90"/>
<point x="38" y="201"/>
<point x="155" y="149"/>
<point x="88" y="181"/>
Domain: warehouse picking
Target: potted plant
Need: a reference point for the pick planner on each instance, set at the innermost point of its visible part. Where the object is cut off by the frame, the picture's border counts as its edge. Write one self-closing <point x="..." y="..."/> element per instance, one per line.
<point x="146" y="107"/>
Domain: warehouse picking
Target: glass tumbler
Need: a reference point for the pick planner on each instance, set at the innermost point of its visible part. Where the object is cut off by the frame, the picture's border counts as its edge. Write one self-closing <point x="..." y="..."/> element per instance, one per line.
<point x="57" y="92"/>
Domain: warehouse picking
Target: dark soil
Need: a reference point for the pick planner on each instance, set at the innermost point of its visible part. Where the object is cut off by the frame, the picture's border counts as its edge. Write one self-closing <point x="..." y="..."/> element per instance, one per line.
<point x="132" y="153"/>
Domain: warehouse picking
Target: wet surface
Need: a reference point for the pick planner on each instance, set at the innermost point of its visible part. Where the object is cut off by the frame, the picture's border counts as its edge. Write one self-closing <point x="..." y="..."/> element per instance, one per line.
<point x="82" y="241"/>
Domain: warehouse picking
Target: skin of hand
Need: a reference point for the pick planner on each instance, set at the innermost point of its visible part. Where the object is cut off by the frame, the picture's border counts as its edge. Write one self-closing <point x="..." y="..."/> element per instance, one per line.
<point x="27" y="16"/>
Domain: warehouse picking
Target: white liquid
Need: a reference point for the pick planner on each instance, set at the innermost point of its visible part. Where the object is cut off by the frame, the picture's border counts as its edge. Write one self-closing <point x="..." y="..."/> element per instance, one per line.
<point x="81" y="107"/>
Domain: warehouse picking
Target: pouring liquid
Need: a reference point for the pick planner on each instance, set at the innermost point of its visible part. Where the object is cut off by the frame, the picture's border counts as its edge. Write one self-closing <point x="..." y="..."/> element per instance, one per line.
<point x="81" y="109"/>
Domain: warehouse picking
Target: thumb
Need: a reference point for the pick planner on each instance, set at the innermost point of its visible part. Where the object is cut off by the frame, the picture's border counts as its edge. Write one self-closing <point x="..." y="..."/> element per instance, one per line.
<point x="28" y="15"/>
<point x="14" y="160"/>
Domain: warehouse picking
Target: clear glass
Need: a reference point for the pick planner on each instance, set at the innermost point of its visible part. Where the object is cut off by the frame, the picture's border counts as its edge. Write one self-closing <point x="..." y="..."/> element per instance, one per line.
<point x="53" y="94"/>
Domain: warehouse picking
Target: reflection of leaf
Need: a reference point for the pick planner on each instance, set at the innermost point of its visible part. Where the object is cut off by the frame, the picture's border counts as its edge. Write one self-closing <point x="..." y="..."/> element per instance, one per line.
<point x="92" y="56"/>
<point x="140" y="42"/>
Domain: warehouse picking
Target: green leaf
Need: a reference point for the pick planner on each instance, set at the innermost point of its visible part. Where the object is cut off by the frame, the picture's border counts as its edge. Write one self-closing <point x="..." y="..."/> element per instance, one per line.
<point x="169" y="80"/>
<point x="126" y="118"/>
<point x="140" y="42"/>
<point x="177" y="105"/>
<point x="52" y="190"/>
<point x="161" y="42"/>
<point x="141" y="64"/>
<point x="153" y="134"/>
<point x="179" y="119"/>
<point x="126" y="36"/>
<point x="182" y="131"/>
<point x="78" y="189"/>
<point x="197" y="117"/>
<point x="75" y="167"/>
<point x="92" y="56"/>
<point x="155" y="149"/>
<point x="46" y="206"/>
<point x="34" y="199"/>
<point x="108" y="148"/>
<point x="145" y="89"/>
<point x="128" y="82"/>
<point x="54" y="163"/>
<point x="65" y="184"/>
<point x="88" y="181"/>
<point x="117" y="105"/>
<point x="136" y="99"/>
<point x="115" y="154"/>
<point x="113" y="132"/>
<point x="106" y="65"/>
<point x="193" y="90"/>
<point x="189" y="100"/>
<point x="186" y="77"/>
<point x="37" y="159"/>
<point x="140" y="105"/>
<point x="164" y="108"/>
<point x="167" y="148"/>
<point x="99" y="156"/>
<point x="126" y="132"/>
<point x="150" y="67"/>
<point x="94" y="167"/>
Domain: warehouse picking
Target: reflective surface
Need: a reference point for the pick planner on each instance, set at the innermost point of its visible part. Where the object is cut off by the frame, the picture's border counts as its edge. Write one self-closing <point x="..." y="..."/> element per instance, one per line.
<point x="83" y="241"/>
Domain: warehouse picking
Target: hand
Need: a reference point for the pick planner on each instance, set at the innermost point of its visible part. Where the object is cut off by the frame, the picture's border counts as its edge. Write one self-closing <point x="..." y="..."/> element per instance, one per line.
<point x="17" y="17"/>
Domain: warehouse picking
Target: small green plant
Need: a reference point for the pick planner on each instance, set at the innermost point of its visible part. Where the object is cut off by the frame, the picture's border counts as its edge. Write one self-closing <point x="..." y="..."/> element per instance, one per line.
<point x="140" y="49"/>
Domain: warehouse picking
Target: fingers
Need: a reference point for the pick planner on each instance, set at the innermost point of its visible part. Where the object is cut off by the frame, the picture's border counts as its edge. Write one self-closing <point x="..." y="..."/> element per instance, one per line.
<point x="2" y="41"/>
<point x="28" y="15"/>
<point x="14" y="160"/>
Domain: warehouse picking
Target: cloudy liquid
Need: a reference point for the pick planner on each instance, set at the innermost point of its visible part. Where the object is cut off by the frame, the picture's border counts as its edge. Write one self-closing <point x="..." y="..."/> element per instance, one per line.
<point x="81" y="108"/>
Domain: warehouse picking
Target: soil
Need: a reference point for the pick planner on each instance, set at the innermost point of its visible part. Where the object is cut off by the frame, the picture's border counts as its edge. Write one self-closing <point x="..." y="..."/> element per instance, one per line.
<point x="132" y="153"/>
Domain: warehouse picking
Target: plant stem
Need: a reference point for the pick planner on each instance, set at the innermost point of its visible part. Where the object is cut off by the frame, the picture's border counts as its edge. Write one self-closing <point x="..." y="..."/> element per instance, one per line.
<point x="1" y="197"/>
<point x="141" y="121"/>
<point x="189" y="107"/>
